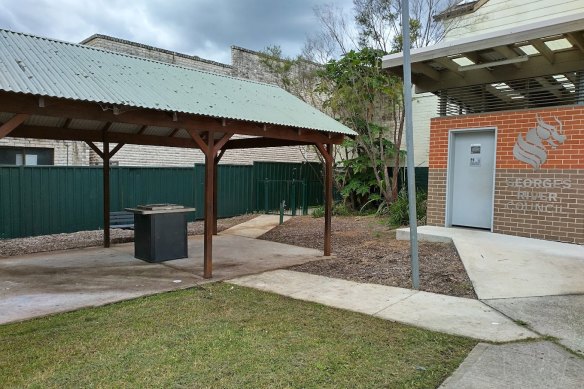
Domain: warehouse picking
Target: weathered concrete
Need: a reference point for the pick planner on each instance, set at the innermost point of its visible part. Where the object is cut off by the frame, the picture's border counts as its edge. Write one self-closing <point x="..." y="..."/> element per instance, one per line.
<point x="454" y="315"/>
<point x="504" y="266"/>
<point x="559" y="316"/>
<point x="255" y="227"/>
<point x="537" y="365"/>
<point x="46" y="283"/>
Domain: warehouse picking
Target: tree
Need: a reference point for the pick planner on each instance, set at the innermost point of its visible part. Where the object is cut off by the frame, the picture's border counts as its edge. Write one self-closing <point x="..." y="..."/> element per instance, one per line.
<point x="358" y="92"/>
<point x="353" y="88"/>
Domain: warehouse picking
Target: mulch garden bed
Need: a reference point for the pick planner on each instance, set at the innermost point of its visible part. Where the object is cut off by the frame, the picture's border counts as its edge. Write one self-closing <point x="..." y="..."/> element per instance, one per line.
<point x="365" y="250"/>
<point x="81" y="239"/>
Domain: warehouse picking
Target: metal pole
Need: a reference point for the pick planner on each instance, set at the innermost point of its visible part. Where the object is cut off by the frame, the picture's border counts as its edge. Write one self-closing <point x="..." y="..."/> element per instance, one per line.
<point x="410" y="144"/>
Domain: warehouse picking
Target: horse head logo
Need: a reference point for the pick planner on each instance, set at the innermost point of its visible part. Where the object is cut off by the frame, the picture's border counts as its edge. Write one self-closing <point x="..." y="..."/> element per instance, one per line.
<point x="531" y="149"/>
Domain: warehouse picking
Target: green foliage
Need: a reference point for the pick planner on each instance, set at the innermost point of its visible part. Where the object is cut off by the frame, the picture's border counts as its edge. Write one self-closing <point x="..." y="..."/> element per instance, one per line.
<point x="399" y="212"/>
<point x="318" y="211"/>
<point x="366" y="99"/>
<point x="339" y="209"/>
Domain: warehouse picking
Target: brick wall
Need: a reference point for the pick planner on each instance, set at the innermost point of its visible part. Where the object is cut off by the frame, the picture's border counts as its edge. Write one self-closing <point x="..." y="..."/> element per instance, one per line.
<point x="547" y="203"/>
<point x="64" y="152"/>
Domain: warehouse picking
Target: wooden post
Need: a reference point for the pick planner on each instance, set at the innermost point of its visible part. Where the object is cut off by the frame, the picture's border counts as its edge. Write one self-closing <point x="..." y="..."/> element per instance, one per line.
<point x="327" y="154"/>
<point x="209" y="196"/>
<point x="215" y="163"/>
<point x="328" y="191"/>
<point x="106" y="193"/>
<point x="218" y="156"/>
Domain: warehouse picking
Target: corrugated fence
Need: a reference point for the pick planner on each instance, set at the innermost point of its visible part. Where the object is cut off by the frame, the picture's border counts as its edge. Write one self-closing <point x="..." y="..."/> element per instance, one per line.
<point x="40" y="200"/>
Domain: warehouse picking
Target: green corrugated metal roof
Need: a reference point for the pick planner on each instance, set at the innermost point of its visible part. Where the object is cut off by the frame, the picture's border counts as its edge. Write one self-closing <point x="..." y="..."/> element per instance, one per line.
<point x="47" y="67"/>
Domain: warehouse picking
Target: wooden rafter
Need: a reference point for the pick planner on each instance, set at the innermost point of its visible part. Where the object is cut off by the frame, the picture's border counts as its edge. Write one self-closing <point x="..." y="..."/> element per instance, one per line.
<point x="450" y="65"/>
<point x="508" y="53"/>
<point x="426" y="70"/>
<point x="576" y="39"/>
<point x="544" y="50"/>
<point x="12" y="124"/>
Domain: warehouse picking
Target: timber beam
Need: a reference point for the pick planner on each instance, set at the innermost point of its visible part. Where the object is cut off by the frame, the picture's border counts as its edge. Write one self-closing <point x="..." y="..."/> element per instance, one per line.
<point x="54" y="107"/>
<point x="11" y="124"/>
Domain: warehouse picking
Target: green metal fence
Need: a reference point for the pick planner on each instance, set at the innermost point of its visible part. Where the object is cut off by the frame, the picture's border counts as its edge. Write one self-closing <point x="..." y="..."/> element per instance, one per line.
<point x="299" y="186"/>
<point x="40" y="200"/>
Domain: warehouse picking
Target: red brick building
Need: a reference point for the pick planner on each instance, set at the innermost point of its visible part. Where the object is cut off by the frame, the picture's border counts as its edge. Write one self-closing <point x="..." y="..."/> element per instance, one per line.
<point x="507" y="149"/>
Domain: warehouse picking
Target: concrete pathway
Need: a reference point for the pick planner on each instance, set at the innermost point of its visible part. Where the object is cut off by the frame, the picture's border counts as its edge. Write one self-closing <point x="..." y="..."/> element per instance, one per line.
<point x="559" y="316"/>
<point x="255" y="227"/>
<point x="46" y="283"/>
<point x="453" y="315"/>
<point x="503" y="266"/>
<point x="534" y="365"/>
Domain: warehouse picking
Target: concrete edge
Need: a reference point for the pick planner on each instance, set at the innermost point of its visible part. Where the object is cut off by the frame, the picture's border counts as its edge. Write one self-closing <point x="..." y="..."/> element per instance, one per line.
<point x="471" y="359"/>
<point x="404" y="234"/>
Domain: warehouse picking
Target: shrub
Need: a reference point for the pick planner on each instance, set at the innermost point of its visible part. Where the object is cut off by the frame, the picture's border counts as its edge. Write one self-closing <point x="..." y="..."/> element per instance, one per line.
<point x="339" y="209"/>
<point x="318" y="211"/>
<point x="399" y="212"/>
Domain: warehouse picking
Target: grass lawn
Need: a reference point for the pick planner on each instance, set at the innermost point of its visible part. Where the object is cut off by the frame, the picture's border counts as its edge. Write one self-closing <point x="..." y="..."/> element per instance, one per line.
<point x="223" y="336"/>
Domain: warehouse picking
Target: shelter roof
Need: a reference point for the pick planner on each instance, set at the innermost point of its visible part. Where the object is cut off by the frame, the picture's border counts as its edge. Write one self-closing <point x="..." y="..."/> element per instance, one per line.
<point x="553" y="47"/>
<point x="39" y="66"/>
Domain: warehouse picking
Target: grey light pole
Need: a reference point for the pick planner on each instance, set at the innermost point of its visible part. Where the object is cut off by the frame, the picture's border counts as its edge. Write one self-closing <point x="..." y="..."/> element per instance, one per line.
<point x="410" y="144"/>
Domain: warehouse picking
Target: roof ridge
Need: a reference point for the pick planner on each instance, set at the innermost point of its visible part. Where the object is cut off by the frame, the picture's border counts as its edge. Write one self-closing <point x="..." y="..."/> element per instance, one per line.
<point x="85" y="47"/>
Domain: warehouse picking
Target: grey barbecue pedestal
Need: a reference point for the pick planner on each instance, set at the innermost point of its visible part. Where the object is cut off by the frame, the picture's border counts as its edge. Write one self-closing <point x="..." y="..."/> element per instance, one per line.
<point x="160" y="232"/>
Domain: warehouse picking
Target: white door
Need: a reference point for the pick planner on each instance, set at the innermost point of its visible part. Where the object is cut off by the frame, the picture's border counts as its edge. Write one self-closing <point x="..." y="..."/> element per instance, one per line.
<point x="471" y="173"/>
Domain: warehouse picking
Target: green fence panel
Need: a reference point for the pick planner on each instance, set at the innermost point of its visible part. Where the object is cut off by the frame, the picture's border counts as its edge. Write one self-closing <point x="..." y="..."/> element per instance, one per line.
<point x="300" y="185"/>
<point x="131" y="186"/>
<point x="421" y="179"/>
<point x="48" y="200"/>
<point x="234" y="190"/>
<point x="37" y="200"/>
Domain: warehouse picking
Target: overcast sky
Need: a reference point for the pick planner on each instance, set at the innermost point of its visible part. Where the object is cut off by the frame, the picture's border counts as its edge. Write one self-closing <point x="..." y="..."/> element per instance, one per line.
<point x="206" y="28"/>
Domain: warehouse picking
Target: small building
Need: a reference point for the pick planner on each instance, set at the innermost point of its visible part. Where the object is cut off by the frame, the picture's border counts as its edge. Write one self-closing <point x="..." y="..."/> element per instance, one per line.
<point x="507" y="149"/>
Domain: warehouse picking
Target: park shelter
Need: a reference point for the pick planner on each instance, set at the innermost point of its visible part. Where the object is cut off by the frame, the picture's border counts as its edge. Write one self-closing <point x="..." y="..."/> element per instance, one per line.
<point x="507" y="146"/>
<point x="56" y="90"/>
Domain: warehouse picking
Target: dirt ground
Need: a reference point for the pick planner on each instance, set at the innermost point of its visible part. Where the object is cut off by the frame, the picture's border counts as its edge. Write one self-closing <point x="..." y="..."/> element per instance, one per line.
<point x="366" y="251"/>
<point x="35" y="244"/>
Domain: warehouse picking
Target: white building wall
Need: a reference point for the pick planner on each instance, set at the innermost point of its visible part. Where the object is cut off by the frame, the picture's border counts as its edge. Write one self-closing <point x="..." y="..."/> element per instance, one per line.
<point x="64" y="152"/>
<point x="500" y="14"/>
<point x="424" y="108"/>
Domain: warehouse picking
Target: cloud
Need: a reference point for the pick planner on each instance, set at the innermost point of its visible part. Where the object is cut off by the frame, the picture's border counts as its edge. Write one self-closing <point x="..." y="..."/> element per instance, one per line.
<point x="201" y="27"/>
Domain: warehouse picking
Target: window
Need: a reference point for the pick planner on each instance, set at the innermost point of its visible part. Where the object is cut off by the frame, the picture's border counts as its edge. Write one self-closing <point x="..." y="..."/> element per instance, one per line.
<point x="18" y="156"/>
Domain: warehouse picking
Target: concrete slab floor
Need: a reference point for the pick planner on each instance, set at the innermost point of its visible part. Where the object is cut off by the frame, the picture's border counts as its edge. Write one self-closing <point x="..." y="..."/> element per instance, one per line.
<point x="255" y="227"/>
<point x="534" y="365"/>
<point x="559" y="316"/>
<point x="505" y="266"/>
<point x="45" y="283"/>
<point x="453" y="315"/>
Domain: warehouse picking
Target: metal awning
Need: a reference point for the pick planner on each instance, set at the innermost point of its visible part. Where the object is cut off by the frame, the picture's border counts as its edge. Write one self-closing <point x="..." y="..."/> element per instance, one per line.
<point x="555" y="46"/>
